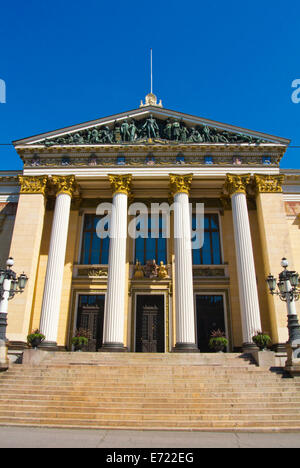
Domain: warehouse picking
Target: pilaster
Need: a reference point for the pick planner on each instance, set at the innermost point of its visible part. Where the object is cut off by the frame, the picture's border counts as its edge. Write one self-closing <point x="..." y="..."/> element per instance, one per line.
<point x="25" y="249"/>
<point x="276" y="244"/>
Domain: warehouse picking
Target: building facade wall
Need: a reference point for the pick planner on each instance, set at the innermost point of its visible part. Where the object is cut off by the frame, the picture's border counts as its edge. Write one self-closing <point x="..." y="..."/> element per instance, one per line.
<point x="240" y="182"/>
<point x="73" y="285"/>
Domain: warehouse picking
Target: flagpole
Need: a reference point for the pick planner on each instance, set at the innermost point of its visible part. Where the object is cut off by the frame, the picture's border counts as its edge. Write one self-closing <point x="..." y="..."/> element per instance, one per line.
<point x="151" y="73"/>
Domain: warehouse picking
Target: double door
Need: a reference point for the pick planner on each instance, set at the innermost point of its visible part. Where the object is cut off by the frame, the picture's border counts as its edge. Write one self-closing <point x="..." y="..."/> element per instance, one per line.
<point x="90" y="317"/>
<point x="150" y="329"/>
<point x="210" y="317"/>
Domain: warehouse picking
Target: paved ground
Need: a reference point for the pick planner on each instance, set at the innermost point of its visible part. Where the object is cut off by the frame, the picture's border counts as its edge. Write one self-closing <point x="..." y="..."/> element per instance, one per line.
<point x="18" y="437"/>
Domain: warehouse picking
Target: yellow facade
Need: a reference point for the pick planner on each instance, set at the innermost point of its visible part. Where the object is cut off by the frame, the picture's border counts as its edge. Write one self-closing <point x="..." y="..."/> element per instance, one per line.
<point x="275" y="233"/>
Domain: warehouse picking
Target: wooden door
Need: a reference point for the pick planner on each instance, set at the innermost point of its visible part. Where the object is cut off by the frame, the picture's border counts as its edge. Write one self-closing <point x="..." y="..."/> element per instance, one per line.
<point x="90" y="317"/>
<point x="210" y="317"/>
<point x="150" y="334"/>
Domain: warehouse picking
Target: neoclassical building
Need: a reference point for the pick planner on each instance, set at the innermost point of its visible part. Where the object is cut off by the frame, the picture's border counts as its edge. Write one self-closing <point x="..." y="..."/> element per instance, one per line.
<point x="147" y="293"/>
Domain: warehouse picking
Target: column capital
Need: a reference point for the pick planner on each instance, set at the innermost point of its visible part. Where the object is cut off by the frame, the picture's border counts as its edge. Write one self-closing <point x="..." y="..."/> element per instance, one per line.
<point x="121" y="183"/>
<point x="180" y="183"/>
<point x="236" y="183"/>
<point x="33" y="184"/>
<point x="265" y="183"/>
<point x="64" y="184"/>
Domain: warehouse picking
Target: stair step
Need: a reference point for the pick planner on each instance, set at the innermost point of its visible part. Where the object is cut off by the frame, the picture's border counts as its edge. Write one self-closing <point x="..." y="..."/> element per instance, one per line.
<point x="136" y="391"/>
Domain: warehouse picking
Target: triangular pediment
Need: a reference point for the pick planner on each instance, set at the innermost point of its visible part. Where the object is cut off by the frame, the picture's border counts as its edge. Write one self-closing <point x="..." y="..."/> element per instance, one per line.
<point x="150" y="124"/>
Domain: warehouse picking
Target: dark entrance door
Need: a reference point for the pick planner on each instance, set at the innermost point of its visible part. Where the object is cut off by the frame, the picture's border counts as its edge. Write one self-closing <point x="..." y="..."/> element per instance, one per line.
<point x="90" y="317"/>
<point x="150" y="328"/>
<point x="210" y="317"/>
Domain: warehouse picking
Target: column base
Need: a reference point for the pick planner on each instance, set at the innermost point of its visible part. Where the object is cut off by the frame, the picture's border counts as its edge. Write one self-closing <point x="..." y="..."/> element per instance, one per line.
<point x="113" y="348"/>
<point x="49" y="346"/>
<point x="186" y="348"/>
<point x="17" y="345"/>
<point x="279" y="347"/>
<point x="248" y="347"/>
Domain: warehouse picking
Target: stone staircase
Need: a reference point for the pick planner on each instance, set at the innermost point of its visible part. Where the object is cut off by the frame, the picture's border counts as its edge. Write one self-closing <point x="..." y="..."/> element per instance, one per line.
<point x="149" y="391"/>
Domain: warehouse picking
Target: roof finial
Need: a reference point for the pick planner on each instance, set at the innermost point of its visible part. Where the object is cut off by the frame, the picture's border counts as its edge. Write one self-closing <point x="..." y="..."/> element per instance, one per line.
<point x="151" y="99"/>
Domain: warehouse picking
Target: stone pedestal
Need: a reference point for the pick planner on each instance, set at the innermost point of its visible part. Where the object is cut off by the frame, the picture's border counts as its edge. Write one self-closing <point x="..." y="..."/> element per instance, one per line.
<point x="292" y="365"/>
<point x="264" y="358"/>
<point x="4" y="362"/>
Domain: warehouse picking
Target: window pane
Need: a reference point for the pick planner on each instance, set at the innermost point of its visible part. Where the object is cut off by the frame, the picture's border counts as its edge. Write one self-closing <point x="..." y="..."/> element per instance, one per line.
<point x="210" y="253"/>
<point x="216" y="248"/>
<point x="206" y="251"/>
<point x="105" y="251"/>
<point x="150" y="249"/>
<point x="162" y="250"/>
<point x="196" y="257"/>
<point x="86" y="248"/>
<point x="214" y="222"/>
<point x="139" y="250"/>
<point x="95" y="256"/>
<point x="88" y="220"/>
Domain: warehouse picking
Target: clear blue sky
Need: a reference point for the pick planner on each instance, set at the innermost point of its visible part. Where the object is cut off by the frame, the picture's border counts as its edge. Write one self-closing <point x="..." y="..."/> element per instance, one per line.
<point x="66" y="62"/>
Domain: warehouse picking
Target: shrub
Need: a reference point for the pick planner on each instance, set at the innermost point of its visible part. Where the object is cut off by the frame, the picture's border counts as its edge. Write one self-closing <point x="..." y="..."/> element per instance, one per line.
<point x="261" y="339"/>
<point x="34" y="336"/>
<point x="218" y="341"/>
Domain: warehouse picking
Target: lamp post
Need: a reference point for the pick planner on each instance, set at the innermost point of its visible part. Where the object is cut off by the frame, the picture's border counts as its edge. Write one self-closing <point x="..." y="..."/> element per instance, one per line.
<point x="289" y="292"/>
<point x="10" y="285"/>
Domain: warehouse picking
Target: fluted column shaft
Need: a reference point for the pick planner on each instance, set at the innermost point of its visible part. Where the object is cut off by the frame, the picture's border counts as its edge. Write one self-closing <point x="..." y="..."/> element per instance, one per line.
<point x="55" y="269"/>
<point x="114" y="311"/>
<point x="248" y="294"/>
<point x="56" y="259"/>
<point x="185" y="311"/>
<point x="115" y="298"/>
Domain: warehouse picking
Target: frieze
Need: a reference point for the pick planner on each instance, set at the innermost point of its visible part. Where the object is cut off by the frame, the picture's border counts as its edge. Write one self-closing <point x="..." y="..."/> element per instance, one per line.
<point x="93" y="272"/>
<point x="153" y="130"/>
<point x="208" y="272"/>
<point x="142" y="161"/>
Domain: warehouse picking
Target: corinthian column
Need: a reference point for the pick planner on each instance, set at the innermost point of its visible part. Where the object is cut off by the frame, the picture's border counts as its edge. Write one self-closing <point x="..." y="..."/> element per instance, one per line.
<point x="56" y="259"/>
<point x="236" y="187"/>
<point x="113" y="334"/>
<point x="185" y="313"/>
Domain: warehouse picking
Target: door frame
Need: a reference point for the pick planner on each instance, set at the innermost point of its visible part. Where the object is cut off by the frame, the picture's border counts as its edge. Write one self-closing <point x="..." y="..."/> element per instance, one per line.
<point x="75" y="317"/>
<point x="214" y="292"/>
<point x="166" y="322"/>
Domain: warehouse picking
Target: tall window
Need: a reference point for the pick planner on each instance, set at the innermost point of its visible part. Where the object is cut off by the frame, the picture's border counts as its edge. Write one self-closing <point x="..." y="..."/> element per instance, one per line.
<point x="94" y="251"/>
<point x="147" y="248"/>
<point x="210" y="253"/>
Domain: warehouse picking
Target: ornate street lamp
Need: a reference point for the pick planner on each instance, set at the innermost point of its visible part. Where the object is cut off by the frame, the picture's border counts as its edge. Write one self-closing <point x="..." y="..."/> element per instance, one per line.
<point x="289" y="292"/>
<point x="10" y="285"/>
